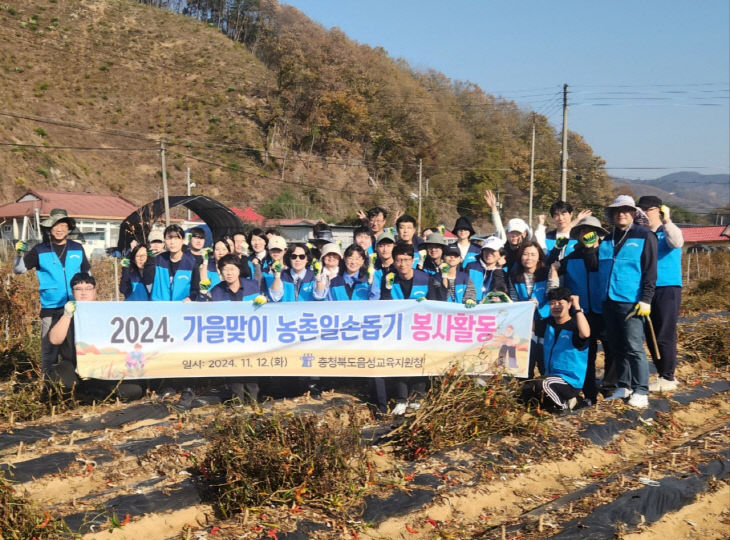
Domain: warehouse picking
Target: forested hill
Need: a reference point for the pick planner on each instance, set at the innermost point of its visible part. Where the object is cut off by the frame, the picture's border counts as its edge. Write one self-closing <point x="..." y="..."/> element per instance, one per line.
<point x="263" y="105"/>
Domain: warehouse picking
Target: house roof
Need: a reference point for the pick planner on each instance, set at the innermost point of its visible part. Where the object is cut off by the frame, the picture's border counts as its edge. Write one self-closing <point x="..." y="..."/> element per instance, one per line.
<point x="248" y="215"/>
<point x="704" y="234"/>
<point x="78" y="205"/>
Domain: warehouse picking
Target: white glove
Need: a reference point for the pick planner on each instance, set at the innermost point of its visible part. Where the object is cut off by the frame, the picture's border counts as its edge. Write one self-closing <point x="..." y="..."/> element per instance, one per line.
<point x="69" y="309"/>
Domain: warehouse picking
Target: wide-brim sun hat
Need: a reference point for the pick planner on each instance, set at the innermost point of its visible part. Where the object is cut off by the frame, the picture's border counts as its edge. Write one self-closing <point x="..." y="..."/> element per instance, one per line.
<point x="434" y="239"/>
<point x="56" y="216"/>
<point x="588" y="222"/>
<point x="463" y="223"/>
<point x="330" y="249"/>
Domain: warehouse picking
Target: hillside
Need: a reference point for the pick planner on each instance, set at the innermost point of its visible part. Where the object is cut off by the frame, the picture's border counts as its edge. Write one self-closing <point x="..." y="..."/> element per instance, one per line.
<point x="281" y="107"/>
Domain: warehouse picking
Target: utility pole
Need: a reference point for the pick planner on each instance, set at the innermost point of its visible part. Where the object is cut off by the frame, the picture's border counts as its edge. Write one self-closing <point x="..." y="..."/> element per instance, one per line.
<point x="532" y="168"/>
<point x="190" y="185"/>
<point x="420" y="185"/>
<point x="564" y="153"/>
<point x="165" y="194"/>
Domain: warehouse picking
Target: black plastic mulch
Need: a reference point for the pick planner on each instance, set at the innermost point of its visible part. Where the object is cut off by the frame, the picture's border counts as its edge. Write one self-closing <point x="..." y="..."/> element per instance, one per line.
<point x="651" y="502"/>
<point x="109" y="419"/>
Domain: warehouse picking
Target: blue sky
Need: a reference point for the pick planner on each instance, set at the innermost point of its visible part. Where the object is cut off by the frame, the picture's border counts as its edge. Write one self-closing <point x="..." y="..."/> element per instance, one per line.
<point x="649" y="80"/>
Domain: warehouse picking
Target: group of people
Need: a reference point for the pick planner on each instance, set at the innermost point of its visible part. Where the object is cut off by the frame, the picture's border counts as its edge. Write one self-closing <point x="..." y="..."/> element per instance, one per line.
<point x="588" y="283"/>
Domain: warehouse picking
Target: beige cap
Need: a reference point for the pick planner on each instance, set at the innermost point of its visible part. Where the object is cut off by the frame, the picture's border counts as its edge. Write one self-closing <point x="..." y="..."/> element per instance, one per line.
<point x="276" y="242"/>
<point x="329" y="249"/>
<point x="155" y="235"/>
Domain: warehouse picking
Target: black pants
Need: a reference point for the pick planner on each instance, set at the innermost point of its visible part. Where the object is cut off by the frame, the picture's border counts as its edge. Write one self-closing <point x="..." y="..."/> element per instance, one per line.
<point x="550" y="392"/>
<point x="664" y="314"/>
<point x="590" y="389"/>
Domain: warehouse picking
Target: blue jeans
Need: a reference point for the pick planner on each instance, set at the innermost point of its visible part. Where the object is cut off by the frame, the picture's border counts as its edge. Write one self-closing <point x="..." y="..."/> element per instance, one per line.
<point x="627" y="346"/>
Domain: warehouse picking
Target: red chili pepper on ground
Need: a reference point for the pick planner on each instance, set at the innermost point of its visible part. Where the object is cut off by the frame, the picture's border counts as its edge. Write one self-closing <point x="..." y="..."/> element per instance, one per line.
<point x="411" y="529"/>
<point x="125" y="520"/>
<point x="271" y="533"/>
<point x="409" y="477"/>
<point x="431" y="522"/>
<point x="45" y="521"/>
<point x="215" y="530"/>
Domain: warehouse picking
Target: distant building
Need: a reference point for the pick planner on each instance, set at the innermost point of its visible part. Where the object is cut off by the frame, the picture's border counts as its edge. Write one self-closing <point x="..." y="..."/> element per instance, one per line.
<point x="97" y="216"/>
<point x="713" y="236"/>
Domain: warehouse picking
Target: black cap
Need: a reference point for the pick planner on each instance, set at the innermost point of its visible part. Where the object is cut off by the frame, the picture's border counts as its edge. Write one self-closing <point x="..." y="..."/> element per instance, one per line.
<point x="452" y="249"/>
<point x="649" y="201"/>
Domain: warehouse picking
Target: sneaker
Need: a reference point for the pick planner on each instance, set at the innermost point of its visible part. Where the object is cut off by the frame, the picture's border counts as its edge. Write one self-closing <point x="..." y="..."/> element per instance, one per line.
<point x="663" y="385"/>
<point x="571" y="403"/>
<point x="639" y="401"/>
<point x="619" y="393"/>
<point x="399" y="409"/>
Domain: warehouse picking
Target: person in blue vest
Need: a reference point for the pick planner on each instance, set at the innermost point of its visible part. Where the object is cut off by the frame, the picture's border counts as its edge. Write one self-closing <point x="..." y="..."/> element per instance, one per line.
<point x="469" y="250"/>
<point x="196" y="242"/>
<point x="177" y="276"/>
<point x="565" y="353"/>
<point x="354" y="283"/>
<point x="557" y="242"/>
<point x="405" y="225"/>
<point x="434" y="247"/>
<point x="580" y="274"/>
<point x="277" y="249"/>
<point x="56" y="260"/>
<point x="138" y="275"/>
<point x="627" y="266"/>
<point x="459" y="288"/>
<point x="382" y="263"/>
<point x="668" y="293"/>
<point x="297" y="282"/>
<point x="518" y="233"/>
<point x="235" y="288"/>
<point x="361" y="236"/>
<point x="487" y="272"/>
<point x="403" y="284"/>
<point x="209" y="274"/>
<point x="529" y="280"/>
<point x="258" y="243"/>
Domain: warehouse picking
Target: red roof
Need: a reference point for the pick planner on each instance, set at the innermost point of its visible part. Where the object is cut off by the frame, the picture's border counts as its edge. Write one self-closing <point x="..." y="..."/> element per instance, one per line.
<point x="704" y="234"/>
<point x="248" y="214"/>
<point x="78" y="205"/>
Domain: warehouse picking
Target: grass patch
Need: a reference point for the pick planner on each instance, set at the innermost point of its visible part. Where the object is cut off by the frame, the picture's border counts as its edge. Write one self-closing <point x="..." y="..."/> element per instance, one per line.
<point x="256" y="459"/>
<point x="457" y="409"/>
<point x="706" y="340"/>
<point x="20" y="519"/>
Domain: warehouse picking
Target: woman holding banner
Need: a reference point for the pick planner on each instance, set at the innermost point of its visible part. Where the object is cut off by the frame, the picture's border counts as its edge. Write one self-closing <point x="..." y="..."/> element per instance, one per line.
<point x="138" y="275"/>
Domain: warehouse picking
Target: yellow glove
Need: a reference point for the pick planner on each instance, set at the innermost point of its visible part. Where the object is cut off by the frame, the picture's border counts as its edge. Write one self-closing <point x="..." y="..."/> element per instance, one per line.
<point x="277" y="267"/>
<point x="642" y="309"/>
<point x="21" y="247"/>
<point x="204" y="284"/>
<point x="371" y="274"/>
<point x="317" y="267"/>
<point x="665" y="212"/>
<point x="125" y="263"/>
<point x="389" y="280"/>
<point x="470" y="304"/>
<point x="590" y="239"/>
<point x="260" y="300"/>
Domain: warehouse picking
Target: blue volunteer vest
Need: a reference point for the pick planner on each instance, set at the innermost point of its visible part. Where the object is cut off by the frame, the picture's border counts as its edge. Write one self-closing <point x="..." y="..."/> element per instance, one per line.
<point x="460" y="283"/>
<point x="586" y="285"/>
<point x="54" y="278"/>
<point x="621" y="276"/>
<point x="669" y="262"/>
<point x="539" y="293"/>
<point x="213" y="275"/>
<point x="338" y="291"/>
<point x="562" y="359"/>
<point x="550" y="239"/>
<point x="250" y="289"/>
<point x="139" y="291"/>
<point x="306" y="287"/>
<point x="178" y="288"/>
<point x="481" y="278"/>
<point x="418" y="290"/>
<point x="472" y="255"/>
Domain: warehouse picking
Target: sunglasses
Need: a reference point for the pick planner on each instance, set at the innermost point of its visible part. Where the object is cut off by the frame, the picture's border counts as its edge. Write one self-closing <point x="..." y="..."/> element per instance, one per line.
<point x="294" y="256"/>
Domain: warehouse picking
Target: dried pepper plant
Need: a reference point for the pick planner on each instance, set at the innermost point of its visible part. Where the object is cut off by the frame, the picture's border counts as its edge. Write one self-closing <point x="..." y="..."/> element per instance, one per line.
<point x="706" y="340"/>
<point x="257" y="459"/>
<point x="459" y="408"/>
<point x="20" y="520"/>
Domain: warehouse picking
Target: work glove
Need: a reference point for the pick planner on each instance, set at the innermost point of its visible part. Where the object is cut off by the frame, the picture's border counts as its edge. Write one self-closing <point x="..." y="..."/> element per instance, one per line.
<point x="665" y="212"/>
<point x="389" y="280"/>
<point x="561" y="242"/>
<point x="420" y="298"/>
<point x="206" y="254"/>
<point x="125" y="263"/>
<point x="442" y="229"/>
<point x="496" y="297"/>
<point x="204" y="285"/>
<point x="373" y="258"/>
<point x="69" y="309"/>
<point x="371" y="274"/>
<point x="21" y="246"/>
<point x="260" y="300"/>
<point x="276" y="268"/>
<point x="642" y="309"/>
<point x="590" y="239"/>
<point x="422" y="257"/>
<point x="470" y="304"/>
<point x="444" y="268"/>
<point x="150" y="253"/>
